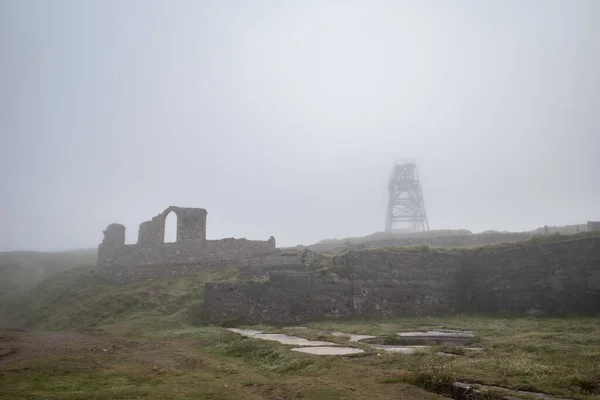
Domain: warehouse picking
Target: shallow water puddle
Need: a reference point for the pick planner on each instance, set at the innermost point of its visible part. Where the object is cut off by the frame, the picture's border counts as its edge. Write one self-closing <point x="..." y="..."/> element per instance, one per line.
<point x="411" y="342"/>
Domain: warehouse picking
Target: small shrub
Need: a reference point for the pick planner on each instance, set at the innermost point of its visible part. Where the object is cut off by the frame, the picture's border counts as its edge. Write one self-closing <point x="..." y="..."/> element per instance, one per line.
<point x="586" y="384"/>
<point x="270" y="356"/>
<point x="433" y="381"/>
<point x="430" y="376"/>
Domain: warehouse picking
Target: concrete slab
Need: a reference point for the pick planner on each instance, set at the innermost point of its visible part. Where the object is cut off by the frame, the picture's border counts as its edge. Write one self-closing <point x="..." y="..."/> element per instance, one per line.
<point x="328" y="351"/>
<point x="353" y="337"/>
<point x="442" y="333"/>
<point x="245" y="332"/>
<point x="399" y="349"/>
<point x="283" y="339"/>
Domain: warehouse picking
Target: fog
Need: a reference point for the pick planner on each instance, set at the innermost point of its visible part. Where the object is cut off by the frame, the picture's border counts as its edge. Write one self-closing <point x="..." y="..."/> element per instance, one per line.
<point x="285" y="118"/>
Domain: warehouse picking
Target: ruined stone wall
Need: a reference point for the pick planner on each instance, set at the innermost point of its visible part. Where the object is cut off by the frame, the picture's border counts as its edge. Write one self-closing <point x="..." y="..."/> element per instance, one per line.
<point x="114" y="236"/>
<point x="551" y="278"/>
<point x="143" y="261"/>
<point x="191" y="252"/>
<point x="593" y="226"/>
<point x="178" y="253"/>
<point x="191" y="226"/>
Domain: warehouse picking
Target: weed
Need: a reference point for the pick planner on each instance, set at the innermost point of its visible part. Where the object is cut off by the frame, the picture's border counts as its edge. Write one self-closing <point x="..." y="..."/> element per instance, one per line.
<point x="264" y="354"/>
<point x="431" y="376"/>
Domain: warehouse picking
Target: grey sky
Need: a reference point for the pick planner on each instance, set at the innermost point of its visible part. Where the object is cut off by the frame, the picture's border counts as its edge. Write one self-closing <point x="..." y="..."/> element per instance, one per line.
<point x="284" y="117"/>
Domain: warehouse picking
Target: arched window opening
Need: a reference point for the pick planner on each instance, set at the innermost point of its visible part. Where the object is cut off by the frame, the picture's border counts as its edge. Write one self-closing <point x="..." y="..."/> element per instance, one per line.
<point x="171" y="227"/>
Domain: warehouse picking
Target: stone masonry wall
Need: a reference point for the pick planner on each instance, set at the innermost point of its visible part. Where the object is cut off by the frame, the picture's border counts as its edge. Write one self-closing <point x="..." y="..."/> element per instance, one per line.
<point x="260" y="268"/>
<point x="191" y="226"/>
<point x="550" y="278"/>
<point x="177" y="253"/>
<point x="129" y="263"/>
<point x="120" y="274"/>
<point x="191" y="252"/>
<point x="553" y="278"/>
<point x="285" y="299"/>
<point x="403" y="283"/>
<point x="593" y="226"/>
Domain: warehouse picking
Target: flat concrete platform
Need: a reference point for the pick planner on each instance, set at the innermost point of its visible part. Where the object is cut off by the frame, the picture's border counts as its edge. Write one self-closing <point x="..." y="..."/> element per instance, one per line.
<point x="329" y="351"/>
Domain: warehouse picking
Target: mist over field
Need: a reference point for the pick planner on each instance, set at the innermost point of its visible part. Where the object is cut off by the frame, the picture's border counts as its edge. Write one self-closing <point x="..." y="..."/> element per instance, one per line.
<point x="285" y="118"/>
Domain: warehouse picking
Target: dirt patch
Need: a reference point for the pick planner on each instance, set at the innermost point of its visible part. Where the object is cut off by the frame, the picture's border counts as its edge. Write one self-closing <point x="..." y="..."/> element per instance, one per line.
<point x="18" y="344"/>
<point x="270" y="391"/>
<point x="27" y="345"/>
<point x="8" y="344"/>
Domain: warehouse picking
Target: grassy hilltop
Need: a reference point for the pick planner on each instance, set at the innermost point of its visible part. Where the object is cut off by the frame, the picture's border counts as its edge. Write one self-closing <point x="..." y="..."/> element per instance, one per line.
<point x="86" y="338"/>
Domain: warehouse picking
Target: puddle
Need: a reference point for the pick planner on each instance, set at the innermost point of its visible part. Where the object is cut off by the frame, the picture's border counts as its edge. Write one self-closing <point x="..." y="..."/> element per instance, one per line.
<point x="283" y="339"/>
<point x="411" y="342"/>
<point x="329" y="351"/>
<point x="434" y="338"/>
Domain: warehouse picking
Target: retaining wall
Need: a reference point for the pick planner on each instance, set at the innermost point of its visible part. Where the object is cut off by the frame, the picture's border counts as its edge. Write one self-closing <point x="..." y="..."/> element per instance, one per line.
<point x="550" y="278"/>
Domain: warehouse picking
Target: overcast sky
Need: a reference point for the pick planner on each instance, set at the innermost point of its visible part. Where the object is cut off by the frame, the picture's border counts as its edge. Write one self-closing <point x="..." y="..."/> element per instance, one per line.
<point x="284" y="118"/>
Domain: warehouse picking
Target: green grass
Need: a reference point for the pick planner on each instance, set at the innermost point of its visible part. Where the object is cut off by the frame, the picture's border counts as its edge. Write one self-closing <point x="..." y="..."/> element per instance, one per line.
<point x="477" y="248"/>
<point x="559" y="356"/>
<point x="549" y="355"/>
<point x="198" y="363"/>
<point x="14" y="277"/>
<point x="78" y="299"/>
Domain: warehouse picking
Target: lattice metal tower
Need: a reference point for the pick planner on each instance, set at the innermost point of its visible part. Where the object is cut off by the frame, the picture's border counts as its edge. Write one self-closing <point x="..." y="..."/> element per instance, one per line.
<point x="406" y="203"/>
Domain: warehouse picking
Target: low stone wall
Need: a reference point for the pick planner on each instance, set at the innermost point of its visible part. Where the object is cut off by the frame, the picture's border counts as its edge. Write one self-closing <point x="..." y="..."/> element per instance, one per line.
<point x="551" y="278"/>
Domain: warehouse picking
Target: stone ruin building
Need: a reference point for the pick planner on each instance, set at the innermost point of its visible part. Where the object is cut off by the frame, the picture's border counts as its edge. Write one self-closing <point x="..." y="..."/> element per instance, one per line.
<point x="190" y="253"/>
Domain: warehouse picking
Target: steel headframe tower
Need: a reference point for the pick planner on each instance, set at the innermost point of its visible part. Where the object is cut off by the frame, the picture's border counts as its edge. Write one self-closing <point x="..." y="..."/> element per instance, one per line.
<point x="406" y="203"/>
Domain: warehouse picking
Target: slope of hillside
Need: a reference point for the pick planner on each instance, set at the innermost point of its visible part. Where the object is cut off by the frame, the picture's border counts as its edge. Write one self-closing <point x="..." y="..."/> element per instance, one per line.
<point x="78" y="299"/>
<point x="14" y="277"/>
<point x="49" y="263"/>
